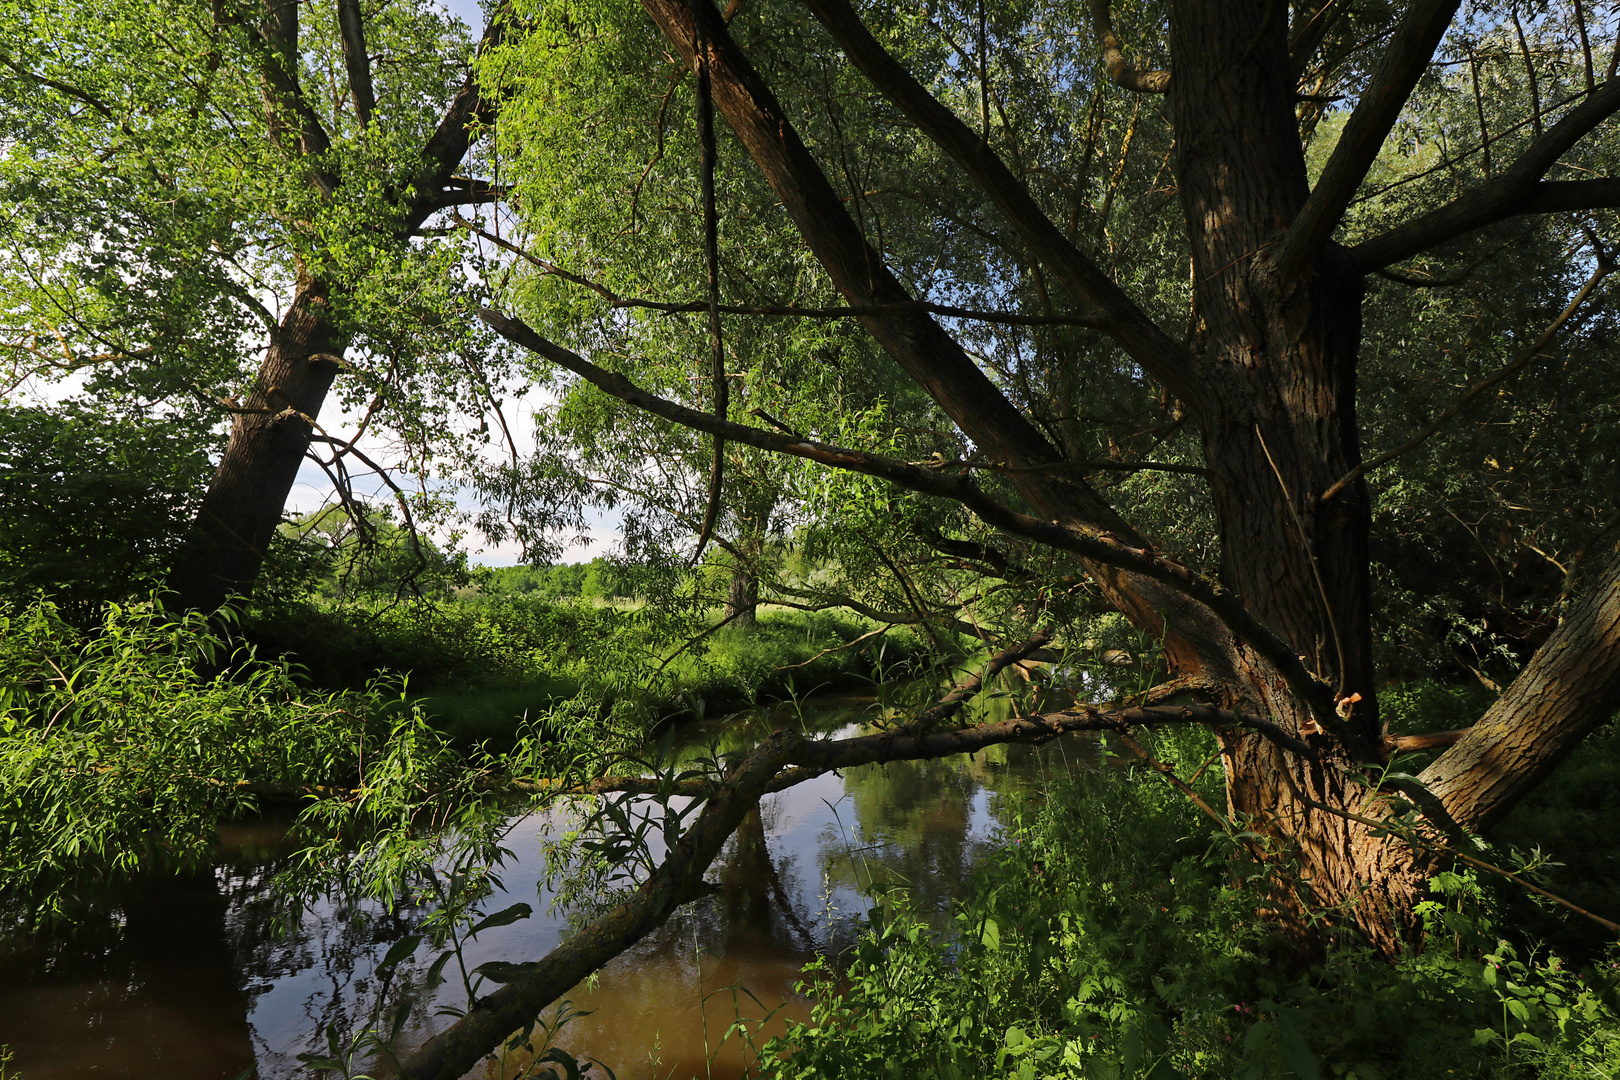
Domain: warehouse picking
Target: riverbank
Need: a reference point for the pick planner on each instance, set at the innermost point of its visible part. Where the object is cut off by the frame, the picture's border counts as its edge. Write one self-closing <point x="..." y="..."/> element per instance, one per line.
<point x="482" y="666"/>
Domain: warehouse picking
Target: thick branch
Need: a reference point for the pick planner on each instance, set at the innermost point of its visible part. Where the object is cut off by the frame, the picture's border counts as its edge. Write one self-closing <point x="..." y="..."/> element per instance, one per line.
<point x="1404" y="61"/>
<point x="720" y="388"/>
<point x="1101" y="300"/>
<point x="1517" y="190"/>
<point x="679" y="879"/>
<point x="930" y="356"/>
<point x="448" y="146"/>
<point x="1553" y="196"/>
<point x="1097" y="545"/>
<point x="285" y="107"/>
<point x="461" y="191"/>
<point x="1570" y="688"/>
<point x="355" y="59"/>
<point x="1124" y="73"/>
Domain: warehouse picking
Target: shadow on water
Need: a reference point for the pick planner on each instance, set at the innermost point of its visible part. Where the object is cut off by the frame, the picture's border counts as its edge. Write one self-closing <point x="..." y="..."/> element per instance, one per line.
<point x="186" y="979"/>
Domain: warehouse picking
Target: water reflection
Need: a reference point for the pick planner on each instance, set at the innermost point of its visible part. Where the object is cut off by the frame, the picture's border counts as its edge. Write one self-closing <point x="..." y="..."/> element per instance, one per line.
<point x="188" y="980"/>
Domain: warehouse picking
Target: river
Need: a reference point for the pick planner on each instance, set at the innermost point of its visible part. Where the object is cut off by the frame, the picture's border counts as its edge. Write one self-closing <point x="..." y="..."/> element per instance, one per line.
<point x="187" y="980"/>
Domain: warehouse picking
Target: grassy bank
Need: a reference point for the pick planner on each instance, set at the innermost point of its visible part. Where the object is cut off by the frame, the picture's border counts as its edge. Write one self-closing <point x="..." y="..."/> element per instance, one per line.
<point x="483" y="664"/>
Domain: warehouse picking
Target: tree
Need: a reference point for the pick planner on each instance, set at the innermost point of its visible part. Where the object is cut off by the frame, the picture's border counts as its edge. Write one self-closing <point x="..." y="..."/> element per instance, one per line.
<point x="217" y="180"/>
<point x="1280" y="628"/>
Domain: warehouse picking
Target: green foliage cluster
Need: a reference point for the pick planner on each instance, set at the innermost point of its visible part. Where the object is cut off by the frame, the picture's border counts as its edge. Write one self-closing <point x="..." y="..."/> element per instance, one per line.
<point x="480" y="641"/>
<point x="339" y="553"/>
<point x="1569" y="821"/>
<point x="91" y="504"/>
<point x="1112" y="938"/>
<point x="121" y="755"/>
<point x="486" y="662"/>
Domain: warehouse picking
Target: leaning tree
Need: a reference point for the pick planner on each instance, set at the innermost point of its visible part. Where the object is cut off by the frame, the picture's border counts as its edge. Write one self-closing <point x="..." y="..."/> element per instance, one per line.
<point x="217" y="210"/>
<point x="1263" y="361"/>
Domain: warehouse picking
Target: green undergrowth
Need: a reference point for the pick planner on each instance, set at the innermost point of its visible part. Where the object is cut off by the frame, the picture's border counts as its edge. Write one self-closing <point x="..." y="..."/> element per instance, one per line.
<point x="126" y="745"/>
<point x="483" y="666"/>
<point x="1568" y="824"/>
<point x="1115" y="936"/>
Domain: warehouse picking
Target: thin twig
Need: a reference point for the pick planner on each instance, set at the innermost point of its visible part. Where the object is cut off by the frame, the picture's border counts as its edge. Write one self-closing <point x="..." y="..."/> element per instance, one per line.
<point x="791" y="311"/>
<point x="884" y="629"/>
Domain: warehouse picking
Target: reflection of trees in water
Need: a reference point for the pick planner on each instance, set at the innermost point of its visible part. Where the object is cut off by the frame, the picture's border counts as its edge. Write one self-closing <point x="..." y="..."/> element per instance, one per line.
<point x="909" y="823"/>
<point x="759" y="907"/>
<point x="320" y="972"/>
<point x="149" y="978"/>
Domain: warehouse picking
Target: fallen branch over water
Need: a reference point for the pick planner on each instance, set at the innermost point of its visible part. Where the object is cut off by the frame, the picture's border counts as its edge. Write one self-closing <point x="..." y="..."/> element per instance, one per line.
<point x="784" y="759"/>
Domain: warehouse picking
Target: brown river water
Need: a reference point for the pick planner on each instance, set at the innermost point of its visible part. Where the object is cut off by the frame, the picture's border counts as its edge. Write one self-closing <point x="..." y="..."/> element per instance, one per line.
<point x="188" y="981"/>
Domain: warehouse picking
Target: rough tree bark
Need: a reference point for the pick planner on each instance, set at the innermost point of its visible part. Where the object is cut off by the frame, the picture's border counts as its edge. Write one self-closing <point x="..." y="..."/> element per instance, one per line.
<point x="269" y="436"/>
<point x="742" y="595"/>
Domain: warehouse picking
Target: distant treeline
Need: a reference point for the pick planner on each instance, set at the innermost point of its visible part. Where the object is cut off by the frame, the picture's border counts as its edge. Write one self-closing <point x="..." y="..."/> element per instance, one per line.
<point x="598" y="579"/>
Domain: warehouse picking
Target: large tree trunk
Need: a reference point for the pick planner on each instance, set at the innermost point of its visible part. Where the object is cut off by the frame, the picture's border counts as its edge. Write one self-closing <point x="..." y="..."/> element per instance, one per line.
<point x="269" y="436"/>
<point x="225" y="549"/>
<point x="1280" y="360"/>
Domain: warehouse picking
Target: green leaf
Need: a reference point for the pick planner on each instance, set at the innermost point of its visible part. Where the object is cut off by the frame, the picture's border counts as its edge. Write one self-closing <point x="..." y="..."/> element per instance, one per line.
<point x="571" y="1069"/>
<point x="401" y="1014"/>
<point x="435" y="974"/>
<point x="504" y="917"/>
<point x="315" y="1061"/>
<point x="402" y="948"/>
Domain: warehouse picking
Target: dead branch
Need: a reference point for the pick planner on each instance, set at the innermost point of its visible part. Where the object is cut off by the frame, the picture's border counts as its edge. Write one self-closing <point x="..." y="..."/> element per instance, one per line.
<point x="1432" y="741"/>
